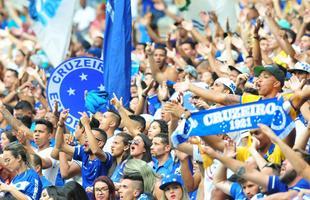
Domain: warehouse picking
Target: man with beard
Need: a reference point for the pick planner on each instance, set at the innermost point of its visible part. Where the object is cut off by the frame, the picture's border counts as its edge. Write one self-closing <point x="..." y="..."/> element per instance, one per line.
<point x="95" y="162"/>
<point x="285" y="186"/>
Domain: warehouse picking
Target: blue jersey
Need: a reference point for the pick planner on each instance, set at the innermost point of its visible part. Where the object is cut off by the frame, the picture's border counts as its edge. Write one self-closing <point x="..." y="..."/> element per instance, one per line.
<point x="275" y="185"/>
<point x="45" y="182"/>
<point x="91" y="169"/>
<point x="28" y="183"/>
<point x="236" y="192"/>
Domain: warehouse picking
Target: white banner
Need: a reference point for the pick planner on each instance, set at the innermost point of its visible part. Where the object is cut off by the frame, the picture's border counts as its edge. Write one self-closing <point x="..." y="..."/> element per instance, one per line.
<point x="225" y="9"/>
<point x="53" y="25"/>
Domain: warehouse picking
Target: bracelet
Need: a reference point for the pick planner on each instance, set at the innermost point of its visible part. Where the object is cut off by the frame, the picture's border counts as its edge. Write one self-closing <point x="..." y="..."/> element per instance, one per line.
<point x="144" y="96"/>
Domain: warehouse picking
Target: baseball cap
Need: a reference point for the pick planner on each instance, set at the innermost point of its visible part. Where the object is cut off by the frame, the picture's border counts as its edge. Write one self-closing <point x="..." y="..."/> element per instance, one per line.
<point x="191" y="70"/>
<point x="301" y="66"/>
<point x="241" y="68"/>
<point x="273" y="69"/>
<point x="228" y="83"/>
<point x="169" y="179"/>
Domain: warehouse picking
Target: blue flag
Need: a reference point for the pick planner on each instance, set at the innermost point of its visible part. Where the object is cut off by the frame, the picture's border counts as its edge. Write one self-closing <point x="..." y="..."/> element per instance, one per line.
<point x="272" y="112"/>
<point x="117" y="49"/>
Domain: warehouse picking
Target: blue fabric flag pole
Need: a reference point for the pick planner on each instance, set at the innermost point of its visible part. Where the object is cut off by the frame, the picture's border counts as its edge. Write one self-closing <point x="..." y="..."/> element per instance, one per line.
<point x="117" y="49"/>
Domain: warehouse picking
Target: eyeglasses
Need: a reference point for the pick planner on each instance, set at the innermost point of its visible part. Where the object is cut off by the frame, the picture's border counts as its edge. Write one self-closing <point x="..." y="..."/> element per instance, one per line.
<point x="136" y="142"/>
<point x="103" y="189"/>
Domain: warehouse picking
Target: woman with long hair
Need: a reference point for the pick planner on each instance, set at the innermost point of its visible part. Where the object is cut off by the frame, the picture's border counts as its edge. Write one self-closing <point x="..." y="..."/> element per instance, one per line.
<point x="103" y="189"/>
<point x="157" y="126"/>
<point x="140" y="148"/>
<point x="7" y="137"/>
<point x="52" y="193"/>
<point x="173" y="188"/>
<point x="26" y="184"/>
<point x="120" y="152"/>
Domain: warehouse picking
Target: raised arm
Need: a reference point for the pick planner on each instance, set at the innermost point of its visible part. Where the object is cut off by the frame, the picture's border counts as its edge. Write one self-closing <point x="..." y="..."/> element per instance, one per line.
<point x="131" y="125"/>
<point x="68" y="169"/>
<point x="220" y="177"/>
<point x="297" y="162"/>
<point x="276" y="31"/>
<point x="60" y="144"/>
<point x="93" y="143"/>
<point x="240" y="168"/>
<point x="192" y="180"/>
<point x="209" y="95"/>
<point x="257" y="56"/>
<point x="15" y="123"/>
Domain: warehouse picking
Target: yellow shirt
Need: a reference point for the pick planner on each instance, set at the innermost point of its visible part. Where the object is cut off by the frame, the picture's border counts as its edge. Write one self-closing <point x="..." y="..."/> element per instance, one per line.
<point x="276" y="156"/>
<point x="248" y="98"/>
<point x="281" y="59"/>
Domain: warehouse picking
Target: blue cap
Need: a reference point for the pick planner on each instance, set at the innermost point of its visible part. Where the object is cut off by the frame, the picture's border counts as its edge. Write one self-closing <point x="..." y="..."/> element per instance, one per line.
<point x="169" y="179"/>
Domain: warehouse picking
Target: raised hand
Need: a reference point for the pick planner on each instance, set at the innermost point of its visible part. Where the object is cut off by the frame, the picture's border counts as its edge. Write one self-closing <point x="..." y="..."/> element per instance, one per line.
<point x="187" y="25"/>
<point x="255" y="142"/>
<point x="258" y="25"/>
<point x="230" y="149"/>
<point x="84" y="119"/>
<point x="174" y="109"/>
<point x="21" y="137"/>
<point x="117" y="103"/>
<point x="267" y="131"/>
<point x="149" y="49"/>
<point x="63" y="116"/>
<point x="295" y="84"/>
<point x="204" y="49"/>
<point x="182" y="86"/>
<point x="171" y="53"/>
<point x="163" y="92"/>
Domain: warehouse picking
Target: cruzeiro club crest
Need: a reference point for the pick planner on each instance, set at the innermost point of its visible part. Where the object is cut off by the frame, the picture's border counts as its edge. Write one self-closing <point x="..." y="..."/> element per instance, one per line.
<point x="70" y="80"/>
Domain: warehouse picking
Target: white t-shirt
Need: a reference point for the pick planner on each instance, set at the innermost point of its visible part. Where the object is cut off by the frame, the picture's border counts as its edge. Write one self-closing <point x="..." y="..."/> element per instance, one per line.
<point x="49" y="173"/>
<point x="108" y="144"/>
<point x="83" y="17"/>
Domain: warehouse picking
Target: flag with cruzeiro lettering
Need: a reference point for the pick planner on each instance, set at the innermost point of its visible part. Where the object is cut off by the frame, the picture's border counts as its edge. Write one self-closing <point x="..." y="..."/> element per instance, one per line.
<point x="272" y="112"/>
<point x="77" y="85"/>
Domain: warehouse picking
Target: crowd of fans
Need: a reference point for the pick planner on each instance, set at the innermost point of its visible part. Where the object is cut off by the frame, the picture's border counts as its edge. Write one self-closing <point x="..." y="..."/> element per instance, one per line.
<point x="127" y="153"/>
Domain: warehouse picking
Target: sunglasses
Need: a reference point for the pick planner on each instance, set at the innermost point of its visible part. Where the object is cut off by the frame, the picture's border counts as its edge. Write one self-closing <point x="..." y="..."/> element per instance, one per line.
<point x="136" y="142"/>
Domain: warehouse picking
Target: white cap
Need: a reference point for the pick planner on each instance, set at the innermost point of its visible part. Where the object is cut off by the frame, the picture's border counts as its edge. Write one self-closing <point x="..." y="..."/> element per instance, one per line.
<point x="241" y="68"/>
<point x="301" y="66"/>
<point x="228" y="83"/>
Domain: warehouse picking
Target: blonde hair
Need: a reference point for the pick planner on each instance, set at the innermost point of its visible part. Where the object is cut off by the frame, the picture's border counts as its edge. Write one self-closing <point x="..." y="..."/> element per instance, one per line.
<point x="137" y="167"/>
